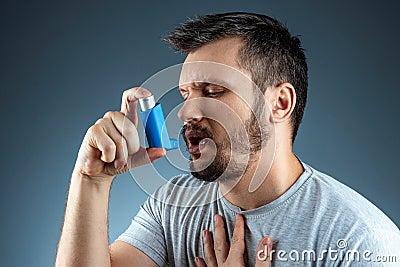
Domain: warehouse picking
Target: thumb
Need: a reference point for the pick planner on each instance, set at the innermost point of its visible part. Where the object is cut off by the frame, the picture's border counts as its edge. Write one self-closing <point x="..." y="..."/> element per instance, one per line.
<point x="145" y="156"/>
<point x="129" y="102"/>
<point x="155" y="153"/>
<point x="264" y="252"/>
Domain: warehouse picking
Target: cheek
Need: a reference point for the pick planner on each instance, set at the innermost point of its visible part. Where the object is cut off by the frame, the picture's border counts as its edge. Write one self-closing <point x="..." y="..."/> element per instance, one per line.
<point x="222" y="138"/>
<point x="244" y="113"/>
<point x="218" y="130"/>
<point x="240" y="107"/>
<point x="225" y="116"/>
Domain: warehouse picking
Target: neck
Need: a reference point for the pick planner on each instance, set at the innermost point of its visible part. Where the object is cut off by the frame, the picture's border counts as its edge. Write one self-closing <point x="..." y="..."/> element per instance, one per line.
<point x="260" y="184"/>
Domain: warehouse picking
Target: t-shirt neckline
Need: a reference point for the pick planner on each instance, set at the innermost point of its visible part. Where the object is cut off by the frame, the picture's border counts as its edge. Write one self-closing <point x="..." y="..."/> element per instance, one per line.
<point x="268" y="208"/>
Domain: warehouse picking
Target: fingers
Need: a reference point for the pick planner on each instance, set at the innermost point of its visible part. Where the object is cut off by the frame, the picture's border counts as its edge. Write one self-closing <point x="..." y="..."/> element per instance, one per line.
<point x="209" y="249"/>
<point x="221" y="246"/>
<point x="129" y="102"/>
<point x="121" y="153"/>
<point x="125" y="127"/>
<point x="264" y="252"/>
<point x="123" y="132"/>
<point x="111" y="144"/>
<point x="199" y="262"/>
<point x="237" y="243"/>
<point x="217" y="253"/>
<point x="145" y="156"/>
<point x="97" y="138"/>
<point x="119" y="139"/>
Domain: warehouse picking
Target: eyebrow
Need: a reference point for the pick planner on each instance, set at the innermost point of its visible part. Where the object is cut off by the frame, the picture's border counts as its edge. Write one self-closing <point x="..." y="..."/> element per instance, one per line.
<point x="203" y="84"/>
<point x="192" y="84"/>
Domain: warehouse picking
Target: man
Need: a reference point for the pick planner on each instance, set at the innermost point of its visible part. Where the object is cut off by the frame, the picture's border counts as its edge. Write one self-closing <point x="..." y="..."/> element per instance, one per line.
<point x="253" y="191"/>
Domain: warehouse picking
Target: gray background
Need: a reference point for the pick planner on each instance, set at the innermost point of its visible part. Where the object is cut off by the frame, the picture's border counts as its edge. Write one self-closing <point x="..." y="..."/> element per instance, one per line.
<point x="63" y="64"/>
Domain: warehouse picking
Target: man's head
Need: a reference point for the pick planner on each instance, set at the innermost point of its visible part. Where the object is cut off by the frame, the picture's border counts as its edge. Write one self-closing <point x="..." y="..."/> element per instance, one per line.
<point x="260" y="48"/>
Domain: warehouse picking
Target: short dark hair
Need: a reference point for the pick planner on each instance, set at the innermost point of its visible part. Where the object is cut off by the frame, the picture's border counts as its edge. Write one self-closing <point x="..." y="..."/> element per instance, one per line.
<point x="270" y="53"/>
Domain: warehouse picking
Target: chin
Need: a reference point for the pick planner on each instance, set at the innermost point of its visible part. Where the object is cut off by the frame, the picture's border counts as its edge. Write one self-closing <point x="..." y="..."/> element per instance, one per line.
<point x="204" y="170"/>
<point x="205" y="176"/>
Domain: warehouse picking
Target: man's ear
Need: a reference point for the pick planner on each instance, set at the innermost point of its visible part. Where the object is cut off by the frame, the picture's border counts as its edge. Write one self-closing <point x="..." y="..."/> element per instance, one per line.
<point x="283" y="102"/>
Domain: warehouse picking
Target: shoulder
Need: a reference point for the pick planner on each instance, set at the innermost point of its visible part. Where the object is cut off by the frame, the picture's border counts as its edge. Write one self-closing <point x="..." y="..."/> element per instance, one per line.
<point x="338" y="197"/>
<point x="347" y="214"/>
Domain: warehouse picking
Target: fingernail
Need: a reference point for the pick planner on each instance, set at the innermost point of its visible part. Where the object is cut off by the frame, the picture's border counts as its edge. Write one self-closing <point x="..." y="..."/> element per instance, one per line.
<point x="117" y="164"/>
<point x="139" y="93"/>
<point x="216" y="218"/>
<point x="267" y="242"/>
<point x="120" y="164"/>
<point x="124" y="165"/>
<point x="204" y="233"/>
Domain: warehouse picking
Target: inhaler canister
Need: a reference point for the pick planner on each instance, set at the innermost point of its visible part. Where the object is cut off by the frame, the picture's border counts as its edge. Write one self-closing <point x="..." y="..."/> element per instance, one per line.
<point x="154" y="124"/>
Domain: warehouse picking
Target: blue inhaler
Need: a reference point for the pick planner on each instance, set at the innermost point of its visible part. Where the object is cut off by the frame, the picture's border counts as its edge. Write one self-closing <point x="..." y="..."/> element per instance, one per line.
<point x="154" y="124"/>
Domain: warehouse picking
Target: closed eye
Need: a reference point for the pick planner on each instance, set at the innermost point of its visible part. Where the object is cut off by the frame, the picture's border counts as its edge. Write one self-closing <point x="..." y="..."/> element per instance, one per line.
<point x="214" y="90"/>
<point x="209" y="90"/>
<point x="213" y="93"/>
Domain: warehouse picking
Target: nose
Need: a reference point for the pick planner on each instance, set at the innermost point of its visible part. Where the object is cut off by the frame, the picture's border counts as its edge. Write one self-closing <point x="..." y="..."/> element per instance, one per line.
<point x="191" y="111"/>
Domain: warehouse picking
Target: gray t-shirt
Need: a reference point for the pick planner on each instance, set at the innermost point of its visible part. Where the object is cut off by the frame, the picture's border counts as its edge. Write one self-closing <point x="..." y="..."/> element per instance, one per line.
<point x="317" y="222"/>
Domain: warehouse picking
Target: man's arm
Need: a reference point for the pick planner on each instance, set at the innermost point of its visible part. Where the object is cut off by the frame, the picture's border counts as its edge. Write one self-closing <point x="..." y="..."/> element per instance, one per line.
<point x="84" y="237"/>
<point x="123" y="254"/>
<point x="110" y="147"/>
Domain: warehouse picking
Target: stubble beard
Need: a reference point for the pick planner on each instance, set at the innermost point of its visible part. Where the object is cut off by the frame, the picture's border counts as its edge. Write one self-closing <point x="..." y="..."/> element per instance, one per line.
<point x="234" y="151"/>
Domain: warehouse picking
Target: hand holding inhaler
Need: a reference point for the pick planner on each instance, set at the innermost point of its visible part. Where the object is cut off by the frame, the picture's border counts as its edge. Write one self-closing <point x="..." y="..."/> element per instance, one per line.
<point x="111" y="146"/>
<point x="154" y="124"/>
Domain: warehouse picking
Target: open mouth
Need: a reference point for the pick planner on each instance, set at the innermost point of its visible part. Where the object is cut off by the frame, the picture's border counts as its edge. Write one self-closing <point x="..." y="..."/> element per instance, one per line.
<point x="194" y="140"/>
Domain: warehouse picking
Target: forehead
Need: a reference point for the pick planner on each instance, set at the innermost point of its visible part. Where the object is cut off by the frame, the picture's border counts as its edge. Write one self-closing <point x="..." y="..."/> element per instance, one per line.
<point x="223" y="51"/>
<point x="216" y="63"/>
